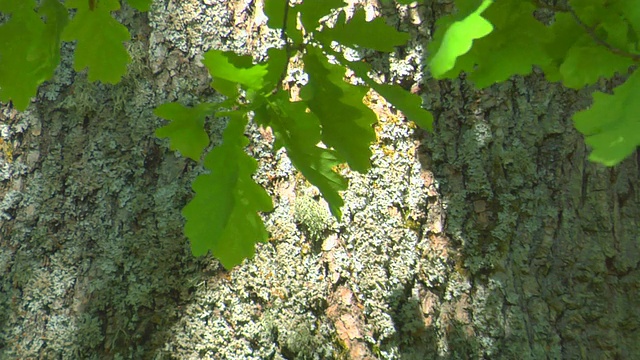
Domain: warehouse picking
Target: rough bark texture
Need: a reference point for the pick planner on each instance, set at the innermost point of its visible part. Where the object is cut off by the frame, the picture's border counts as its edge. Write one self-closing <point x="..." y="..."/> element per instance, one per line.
<point x="492" y="238"/>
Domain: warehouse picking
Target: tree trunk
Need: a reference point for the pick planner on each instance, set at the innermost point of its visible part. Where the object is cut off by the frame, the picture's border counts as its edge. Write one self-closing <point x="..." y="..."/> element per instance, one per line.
<point x="493" y="237"/>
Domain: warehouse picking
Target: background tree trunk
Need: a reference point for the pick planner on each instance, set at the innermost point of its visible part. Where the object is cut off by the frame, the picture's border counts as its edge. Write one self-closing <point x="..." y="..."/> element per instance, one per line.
<point x="492" y="238"/>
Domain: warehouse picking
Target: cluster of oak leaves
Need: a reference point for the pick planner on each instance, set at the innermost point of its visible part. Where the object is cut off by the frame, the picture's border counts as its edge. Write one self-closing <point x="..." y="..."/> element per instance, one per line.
<point x="488" y="40"/>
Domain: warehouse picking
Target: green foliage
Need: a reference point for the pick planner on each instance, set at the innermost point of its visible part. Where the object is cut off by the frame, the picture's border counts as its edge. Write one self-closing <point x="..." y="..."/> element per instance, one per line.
<point x="140" y="5"/>
<point x="409" y="104"/>
<point x="457" y="40"/>
<point x="517" y="36"/>
<point x="223" y="215"/>
<point x="611" y="126"/>
<point x="346" y="121"/>
<point x="312" y="11"/>
<point x="48" y="51"/>
<point x="100" y="40"/>
<point x="328" y="125"/>
<point x="30" y="43"/>
<point x="576" y="59"/>
<point x="186" y="129"/>
<point x="587" y="41"/>
<point x="29" y="48"/>
<point x="299" y="132"/>
<point x="236" y="70"/>
<point x="358" y="32"/>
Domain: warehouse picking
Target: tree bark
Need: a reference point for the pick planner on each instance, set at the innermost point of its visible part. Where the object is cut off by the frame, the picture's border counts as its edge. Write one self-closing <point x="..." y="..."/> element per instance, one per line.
<point x="494" y="237"/>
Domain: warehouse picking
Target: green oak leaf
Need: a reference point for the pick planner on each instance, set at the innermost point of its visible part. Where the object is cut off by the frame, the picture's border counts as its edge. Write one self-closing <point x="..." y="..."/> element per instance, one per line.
<point x="454" y="40"/>
<point x="612" y="125"/>
<point x="100" y="40"/>
<point x="590" y="12"/>
<point x="410" y="104"/>
<point x="235" y="68"/>
<point x="631" y="12"/>
<point x="229" y="71"/>
<point x="619" y="34"/>
<point x="46" y="51"/>
<point x="29" y="49"/>
<point x="295" y="34"/>
<point x="576" y="59"/>
<point x="275" y="11"/>
<point x="565" y="34"/>
<point x="585" y="64"/>
<point x="223" y="214"/>
<point x="186" y="129"/>
<point x="512" y="48"/>
<point x="580" y="59"/>
<point x="358" y="32"/>
<point x="140" y="5"/>
<point x="312" y="11"/>
<point x="276" y="68"/>
<point x="347" y="124"/>
<point x="299" y="132"/>
<point x="230" y="89"/>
